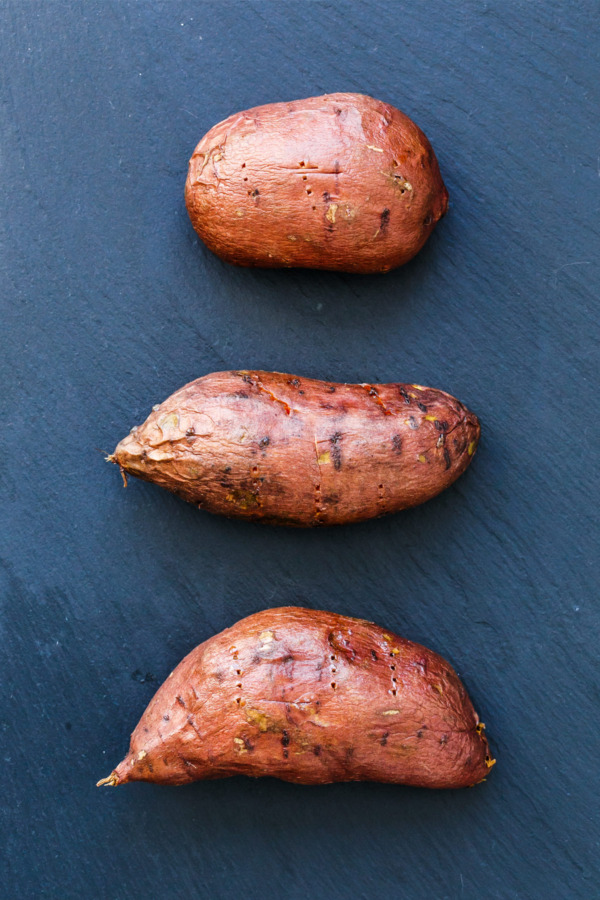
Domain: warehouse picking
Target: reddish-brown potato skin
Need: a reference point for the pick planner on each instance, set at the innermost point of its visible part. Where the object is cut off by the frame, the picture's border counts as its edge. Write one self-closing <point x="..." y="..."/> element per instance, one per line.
<point x="295" y="451"/>
<point x="309" y="697"/>
<point x="341" y="182"/>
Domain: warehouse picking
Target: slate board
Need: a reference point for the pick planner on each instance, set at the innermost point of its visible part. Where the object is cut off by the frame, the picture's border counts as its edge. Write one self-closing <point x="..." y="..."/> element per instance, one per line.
<point x="109" y="303"/>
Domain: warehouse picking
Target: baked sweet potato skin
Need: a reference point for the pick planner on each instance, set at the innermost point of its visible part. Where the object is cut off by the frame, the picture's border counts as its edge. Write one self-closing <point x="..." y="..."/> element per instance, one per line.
<point x="341" y="182"/>
<point x="309" y="697"/>
<point x="295" y="451"/>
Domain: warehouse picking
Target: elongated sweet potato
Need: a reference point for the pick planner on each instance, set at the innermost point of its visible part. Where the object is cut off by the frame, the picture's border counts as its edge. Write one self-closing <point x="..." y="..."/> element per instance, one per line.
<point x="310" y="697"/>
<point x="341" y="181"/>
<point x="295" y="451"/>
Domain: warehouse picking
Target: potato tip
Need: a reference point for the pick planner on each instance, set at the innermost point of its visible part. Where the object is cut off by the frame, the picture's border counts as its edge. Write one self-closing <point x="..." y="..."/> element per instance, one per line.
<point x="111" y="781"/>
<point x="112" y="458"/>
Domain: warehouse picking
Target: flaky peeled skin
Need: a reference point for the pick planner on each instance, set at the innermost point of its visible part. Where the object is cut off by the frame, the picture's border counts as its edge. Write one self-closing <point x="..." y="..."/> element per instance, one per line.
<point x="309" y="697"/>
<point x="295" y="451"/>
<point x="341" y="182"/>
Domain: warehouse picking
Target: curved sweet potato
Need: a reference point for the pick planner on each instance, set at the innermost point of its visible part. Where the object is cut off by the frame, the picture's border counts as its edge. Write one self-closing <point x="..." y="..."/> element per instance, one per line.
<point x="310" y="697"/>
<point x="295" y="451"/>
<point x="341" y="181"/>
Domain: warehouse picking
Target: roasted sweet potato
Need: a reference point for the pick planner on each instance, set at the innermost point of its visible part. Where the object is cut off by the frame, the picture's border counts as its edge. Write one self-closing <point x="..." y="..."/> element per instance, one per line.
<point x="310" y="697"/>
<point x="295" y="451"/>
<point x="340" y="182"/>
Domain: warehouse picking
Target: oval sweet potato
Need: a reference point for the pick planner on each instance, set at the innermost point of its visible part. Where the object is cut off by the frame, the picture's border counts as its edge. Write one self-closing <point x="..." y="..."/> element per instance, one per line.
<point x="310" y="697"/>
<point x="295" y="451"/>
<point x="341" y="181"/>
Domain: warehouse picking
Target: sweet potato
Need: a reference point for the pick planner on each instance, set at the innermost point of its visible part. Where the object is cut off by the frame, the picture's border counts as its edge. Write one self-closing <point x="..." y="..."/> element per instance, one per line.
<point x="310" y="697"/>
<point x="341" y="181"/>
<point x="295" y="451"/>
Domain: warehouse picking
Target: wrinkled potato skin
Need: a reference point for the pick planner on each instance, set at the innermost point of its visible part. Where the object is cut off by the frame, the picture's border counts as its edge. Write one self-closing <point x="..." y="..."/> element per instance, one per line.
<point x="341" y="182"/>
<point x="295" y="451"/>
<point x="309" y="697"/>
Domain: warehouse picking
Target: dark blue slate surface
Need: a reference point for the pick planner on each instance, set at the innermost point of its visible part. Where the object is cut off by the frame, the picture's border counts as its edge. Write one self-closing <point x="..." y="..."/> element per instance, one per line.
<point x="109" y="303"/>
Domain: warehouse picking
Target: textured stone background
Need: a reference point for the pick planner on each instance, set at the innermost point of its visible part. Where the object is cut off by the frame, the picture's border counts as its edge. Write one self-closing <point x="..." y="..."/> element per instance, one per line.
<point x="109" y="303"/>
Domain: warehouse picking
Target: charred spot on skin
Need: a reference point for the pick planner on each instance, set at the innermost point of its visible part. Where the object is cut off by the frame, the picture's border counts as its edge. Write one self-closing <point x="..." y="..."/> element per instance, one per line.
<point x="444" y="740"/>
<point x="166" y="718"/>
<point x="295" y="382"/>
<point x="447" y="459"/>
<point x="181" y="701"/>
<point x="384" y="738"/>
<point x="317" y="750"/>
<point x="404" y="394"/>
<point x="374" y="655"/>
<point x="336" y="450"/>
<point x="428" y="220"/>
<point x="397" y="443"/>
<point x="413" y="423"/>
<point x="422" y="406"/>
<point x="384" y="220"/>
<point x="331" y="389"/>
<point x="191" y="431"/>
<point x="441" y="425"/>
